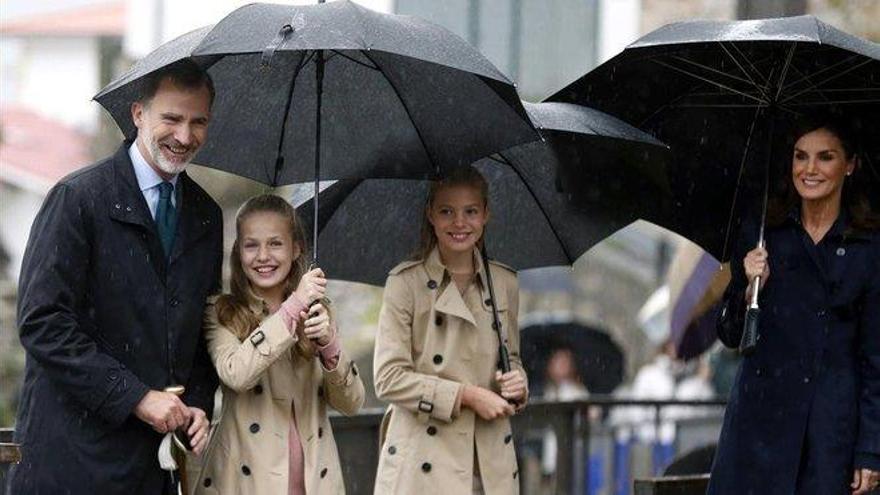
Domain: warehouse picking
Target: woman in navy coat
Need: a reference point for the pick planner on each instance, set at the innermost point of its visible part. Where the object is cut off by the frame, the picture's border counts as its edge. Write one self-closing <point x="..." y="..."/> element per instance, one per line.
<point x="804" y="413"/>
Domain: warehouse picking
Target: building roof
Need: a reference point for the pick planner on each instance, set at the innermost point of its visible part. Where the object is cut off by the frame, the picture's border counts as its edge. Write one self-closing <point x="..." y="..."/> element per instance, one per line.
<point x="37" y="151"/>
<point x="99" y="19"/>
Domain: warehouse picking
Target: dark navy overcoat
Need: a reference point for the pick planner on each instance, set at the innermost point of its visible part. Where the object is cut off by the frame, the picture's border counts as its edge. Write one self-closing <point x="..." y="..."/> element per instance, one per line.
<point x="103" y="317"/>
<point x="805" y="406"/>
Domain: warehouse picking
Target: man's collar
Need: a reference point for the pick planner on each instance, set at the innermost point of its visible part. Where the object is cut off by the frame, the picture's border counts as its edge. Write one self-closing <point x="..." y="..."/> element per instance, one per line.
<point x="146" y="177"/>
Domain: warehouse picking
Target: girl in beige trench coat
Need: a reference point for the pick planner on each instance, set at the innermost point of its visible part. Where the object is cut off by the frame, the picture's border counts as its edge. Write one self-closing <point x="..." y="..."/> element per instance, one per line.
<point x="279" y="366"/>
<point x="436" y="357"/>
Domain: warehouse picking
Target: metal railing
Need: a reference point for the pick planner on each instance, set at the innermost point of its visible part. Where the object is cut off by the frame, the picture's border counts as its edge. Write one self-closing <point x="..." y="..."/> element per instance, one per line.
<point x="358" y="437"/>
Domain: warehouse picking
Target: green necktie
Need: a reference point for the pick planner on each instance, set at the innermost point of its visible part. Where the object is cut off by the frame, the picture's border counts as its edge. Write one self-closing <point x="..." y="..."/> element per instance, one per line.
<point x="166" y="217"/>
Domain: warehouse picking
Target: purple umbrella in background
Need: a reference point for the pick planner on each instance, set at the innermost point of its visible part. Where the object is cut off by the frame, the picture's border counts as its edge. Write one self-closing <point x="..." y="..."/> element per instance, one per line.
<point x="696" y="283"/>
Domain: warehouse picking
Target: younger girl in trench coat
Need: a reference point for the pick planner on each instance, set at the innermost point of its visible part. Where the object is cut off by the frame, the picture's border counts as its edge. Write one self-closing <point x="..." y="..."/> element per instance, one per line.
<point x="280" y="365"/>
<point x="436" y="357"/>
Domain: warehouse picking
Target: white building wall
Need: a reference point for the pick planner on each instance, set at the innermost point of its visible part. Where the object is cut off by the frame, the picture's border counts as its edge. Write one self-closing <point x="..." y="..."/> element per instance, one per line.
<point x="58" y="77"/>
<point x="619" y="22"/>
<point x="18" y="208"/>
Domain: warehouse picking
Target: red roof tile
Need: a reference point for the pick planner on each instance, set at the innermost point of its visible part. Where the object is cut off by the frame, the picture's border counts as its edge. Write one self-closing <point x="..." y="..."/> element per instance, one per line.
<point x="102" y="19"/>
<point x="36" y="151"/>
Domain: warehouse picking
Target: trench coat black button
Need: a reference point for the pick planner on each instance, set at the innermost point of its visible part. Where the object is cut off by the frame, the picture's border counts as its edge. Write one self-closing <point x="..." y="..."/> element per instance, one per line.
<point x="438" y="359"/>
<point x="426" y="467"/>
<point x="432" y="284"/>
<point x="245" y="470"/>
<point x="508" y="438"/>
<point x="320" y="391"/>
<point x="258" y="389"/>
<point x="207" y="482"/>
<point x="392" y="450"/>
<point x="515" y="473"/>
<point x="432" y="430"/>
<point x="320" y="432"/>
<point x="254" y="428"/>
<point x="438" y="320"/>
<point x="324" y="472"/>
<point x="488" y="302"/>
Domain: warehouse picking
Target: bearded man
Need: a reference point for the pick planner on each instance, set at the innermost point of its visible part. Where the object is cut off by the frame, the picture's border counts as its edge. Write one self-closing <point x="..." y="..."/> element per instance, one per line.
<point x="120" y="260"/>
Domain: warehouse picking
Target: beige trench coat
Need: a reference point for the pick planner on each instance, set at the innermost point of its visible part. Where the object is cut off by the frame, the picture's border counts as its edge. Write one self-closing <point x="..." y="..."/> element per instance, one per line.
<point x="260" y="378"/>
<point x="432" y="340"/>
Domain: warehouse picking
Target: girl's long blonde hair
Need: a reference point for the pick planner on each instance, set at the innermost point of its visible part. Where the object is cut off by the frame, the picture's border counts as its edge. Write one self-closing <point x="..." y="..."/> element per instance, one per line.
<point x="233" y="310"/>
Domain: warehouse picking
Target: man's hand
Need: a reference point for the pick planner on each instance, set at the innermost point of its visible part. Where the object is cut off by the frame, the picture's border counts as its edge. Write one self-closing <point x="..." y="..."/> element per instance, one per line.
<point x="198" y="430"/>
<point x="163" y="411"/>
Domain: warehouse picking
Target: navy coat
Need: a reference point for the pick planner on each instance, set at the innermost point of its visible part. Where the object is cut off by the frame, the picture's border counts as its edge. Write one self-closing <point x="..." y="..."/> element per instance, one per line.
<point x="805" y="406"/>
<point x="103" y="318"/>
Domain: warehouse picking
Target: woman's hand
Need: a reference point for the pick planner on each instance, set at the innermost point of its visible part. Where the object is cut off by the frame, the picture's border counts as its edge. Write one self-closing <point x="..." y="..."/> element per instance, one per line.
<point x="316" y="325"/>
<point x="486" y="403"/>
<point x="864" y="481"/>
<point x="756" y="265"/>
<point x="512" y="384"/>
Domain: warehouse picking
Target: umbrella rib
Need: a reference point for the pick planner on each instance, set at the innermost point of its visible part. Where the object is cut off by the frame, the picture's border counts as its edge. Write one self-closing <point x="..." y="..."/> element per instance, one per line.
<point x="717" y="105"/>
<point x="519" y="174"/>
<point x="749" y="61"/>
<point x="744" y="71"/>
<point x="408" y="114"/>
<point x="784" y="72"/>
<point x="739" y="178"/>
<point x="832" y="102"/>
<point x="712" y="69"/>
<point x="287" y="106"/>
<point x="714" y="83"/>
<point x="665" y="106"/>
<point x="824" y="81"/>
<point x="343" y="55"/>
<point x="821" y="71"/>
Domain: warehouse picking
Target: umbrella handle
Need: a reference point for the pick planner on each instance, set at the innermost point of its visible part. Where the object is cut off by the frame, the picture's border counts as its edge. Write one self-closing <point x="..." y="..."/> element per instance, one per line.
<point x="753" y="313"/>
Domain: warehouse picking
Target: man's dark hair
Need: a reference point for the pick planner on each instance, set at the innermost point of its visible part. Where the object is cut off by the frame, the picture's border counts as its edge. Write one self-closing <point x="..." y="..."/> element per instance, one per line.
<point x="184" y="74"/>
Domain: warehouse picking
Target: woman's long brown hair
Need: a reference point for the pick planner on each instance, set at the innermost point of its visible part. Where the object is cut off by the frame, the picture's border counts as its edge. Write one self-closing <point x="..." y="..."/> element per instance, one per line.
<point x="233" y="310"/>
<point x="462" y="176"/>
<point x="854" y="196"/>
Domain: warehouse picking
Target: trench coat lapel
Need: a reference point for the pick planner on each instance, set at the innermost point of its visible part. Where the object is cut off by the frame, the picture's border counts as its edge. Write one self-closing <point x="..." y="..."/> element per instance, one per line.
<point x="127" y="205"/>
<point x="449" y="301"/>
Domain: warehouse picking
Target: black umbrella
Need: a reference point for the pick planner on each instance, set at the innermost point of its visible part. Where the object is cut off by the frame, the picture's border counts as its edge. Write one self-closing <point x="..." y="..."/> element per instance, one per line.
<point x="720" y="94"/>
<point x="374" y="223"/>
<point x="338" y="91"/>
<point x="599" y="360"/>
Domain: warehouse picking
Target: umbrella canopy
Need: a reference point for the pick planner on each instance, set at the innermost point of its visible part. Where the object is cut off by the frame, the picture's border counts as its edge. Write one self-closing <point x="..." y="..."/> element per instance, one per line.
<point x="599" y="360"/>
<point x="371" y="94"/>
<point x="723" y="95"/>
<point x="532" y="223"/>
